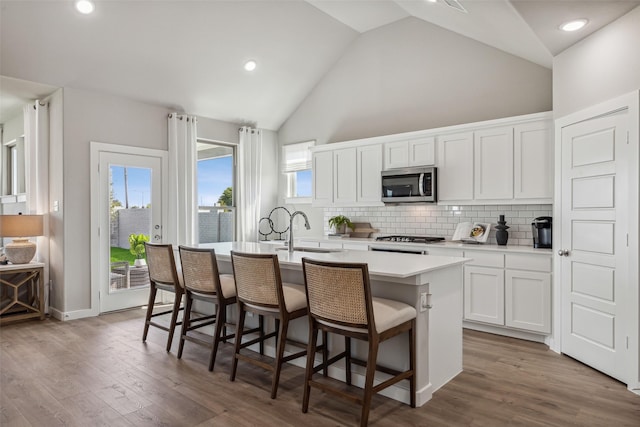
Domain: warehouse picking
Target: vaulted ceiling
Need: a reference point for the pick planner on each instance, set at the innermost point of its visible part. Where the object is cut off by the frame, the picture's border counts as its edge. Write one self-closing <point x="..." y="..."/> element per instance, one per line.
<point x="188" y="55"/>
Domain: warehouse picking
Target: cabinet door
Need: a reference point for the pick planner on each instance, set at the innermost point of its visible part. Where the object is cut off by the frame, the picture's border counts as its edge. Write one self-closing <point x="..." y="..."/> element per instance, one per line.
<point x="484" y="295"/>
<point x="322" y="179"/>
<point x="369" y="166"/>
<point x="344" y="176"/>
<point x="422" y="152"/>
<point x="533" y="161"/>
<point x="396" y="154"/>
<point x="455" y="167"/>
<point x="493" y="161"/>
<point x="528" y="300"/>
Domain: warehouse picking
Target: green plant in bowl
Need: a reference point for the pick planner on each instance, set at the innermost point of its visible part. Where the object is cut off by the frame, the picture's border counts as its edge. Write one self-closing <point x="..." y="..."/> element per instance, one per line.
<point x="136" y="243"/>
<point x="340" y="223"/>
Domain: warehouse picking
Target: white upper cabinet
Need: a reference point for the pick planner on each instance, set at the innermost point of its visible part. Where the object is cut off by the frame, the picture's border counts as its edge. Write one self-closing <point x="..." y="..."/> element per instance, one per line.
<point x="396" y="154"/>
<point x="455" y="167"/>
<point x="533" y="161"/>
<point x="422" y="151"/>
<point x="413" y="152"/>
<point x="369" y="167"/>
<point x="493" y="162"/>
<point x="322" y="172"/>
<point x="345" y="176"/>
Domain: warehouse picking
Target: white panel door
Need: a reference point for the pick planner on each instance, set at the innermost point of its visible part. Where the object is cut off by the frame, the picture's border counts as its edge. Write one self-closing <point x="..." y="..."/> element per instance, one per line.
<point x="455" y="167"/>
<point x="369" y="167"/>
<point x="493" y="162"/>
<point x="533" y="161"/>
<point x="594" y="217"/>
<point x="528" y="300"/>
<point x="396" y="154"/>
<point x="484" y="295"/>
<point x="422" y="152"/>
<point x="322" y="170"/>
<point x="344" y="176"/>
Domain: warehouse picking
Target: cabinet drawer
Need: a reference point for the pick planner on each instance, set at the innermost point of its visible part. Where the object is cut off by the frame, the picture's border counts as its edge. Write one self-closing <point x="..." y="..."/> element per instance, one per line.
<point x="356" y="246"/>
<point x="529" y="262"/>
<point x="485" y="259"/>
<point x="331" y="245"/>
<point x="444" y="252"/>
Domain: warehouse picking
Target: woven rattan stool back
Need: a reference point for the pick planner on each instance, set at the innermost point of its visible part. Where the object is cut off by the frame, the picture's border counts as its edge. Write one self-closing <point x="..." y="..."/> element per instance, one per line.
<point x="162" y="264"/>
<point x="200" y="270"/>
<point x="257" y="279"/>
<point x="338" y="292"/>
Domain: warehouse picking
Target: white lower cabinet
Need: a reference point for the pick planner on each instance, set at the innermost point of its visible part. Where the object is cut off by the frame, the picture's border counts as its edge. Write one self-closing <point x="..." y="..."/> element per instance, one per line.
<point x="484" y="294"/>
<point x="528" y="300"/>
<point x="511" y="290"/>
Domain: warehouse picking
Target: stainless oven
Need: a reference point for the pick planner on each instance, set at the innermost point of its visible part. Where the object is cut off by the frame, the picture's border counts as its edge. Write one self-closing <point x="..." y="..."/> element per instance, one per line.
<point x="409" y="185"/>
<point x="398" y="249"/>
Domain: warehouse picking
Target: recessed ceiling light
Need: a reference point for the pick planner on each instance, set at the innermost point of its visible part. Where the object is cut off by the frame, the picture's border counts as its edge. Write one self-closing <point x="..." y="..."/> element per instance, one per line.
<point x="85" y="6"/>
<point x="574" y="25"/>
<point x="250" y="65"/>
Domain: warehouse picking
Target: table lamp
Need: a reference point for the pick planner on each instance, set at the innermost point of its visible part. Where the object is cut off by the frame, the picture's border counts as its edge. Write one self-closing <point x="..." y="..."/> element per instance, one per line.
<point x="21" y="250"/>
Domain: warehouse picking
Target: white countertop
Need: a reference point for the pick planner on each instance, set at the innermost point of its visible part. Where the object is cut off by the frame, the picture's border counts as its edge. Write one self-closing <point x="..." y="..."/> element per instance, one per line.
<point x="380" y="263"/>
<point x="447" y="244"/>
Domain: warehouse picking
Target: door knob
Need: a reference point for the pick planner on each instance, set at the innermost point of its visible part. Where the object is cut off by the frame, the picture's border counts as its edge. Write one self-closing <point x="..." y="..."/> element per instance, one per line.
<point x="563" y="252"/>
<point x="157" y="237"/>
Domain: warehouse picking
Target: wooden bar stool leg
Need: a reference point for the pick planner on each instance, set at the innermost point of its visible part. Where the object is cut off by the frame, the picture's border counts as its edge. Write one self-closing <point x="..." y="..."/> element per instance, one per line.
<point x="311" y="351"/>
<point x="325" y="353"/>
<point x="220" y="321"/>
<point x="261" y="326"/>
<point x="239" y="332"/>
<point x="281" y="338"/>
<point x="347" y="359"/>
<point x="368" y="382"/>
<point x="185" y="323"/>
<point x="152" y="298"/>
<point x="174" y="318"/>
<point x="412" y="363"/>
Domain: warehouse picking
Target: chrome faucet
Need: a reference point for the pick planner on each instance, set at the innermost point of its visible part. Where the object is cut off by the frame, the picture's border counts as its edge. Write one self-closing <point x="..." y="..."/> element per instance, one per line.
<point x="306" y="225"/>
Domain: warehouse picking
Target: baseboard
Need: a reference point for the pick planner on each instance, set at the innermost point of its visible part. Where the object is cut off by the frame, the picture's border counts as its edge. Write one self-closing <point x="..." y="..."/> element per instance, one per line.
<point x="71" y="315"/>
<point x="513" y="333"/>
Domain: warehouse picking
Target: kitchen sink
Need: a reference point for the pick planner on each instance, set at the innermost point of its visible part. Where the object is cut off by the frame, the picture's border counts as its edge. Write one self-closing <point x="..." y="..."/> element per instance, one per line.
<point x="315" y="250"/>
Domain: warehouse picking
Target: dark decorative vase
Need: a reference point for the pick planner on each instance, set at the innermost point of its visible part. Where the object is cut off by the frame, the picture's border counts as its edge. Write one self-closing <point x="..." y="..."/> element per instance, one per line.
<point x="502" y="235"/>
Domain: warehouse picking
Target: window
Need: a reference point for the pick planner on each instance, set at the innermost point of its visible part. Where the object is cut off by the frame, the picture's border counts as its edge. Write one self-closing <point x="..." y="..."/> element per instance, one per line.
<point x="215" y="179"/>
<point x="296" y="165"/>
<point x="13" y="164"/>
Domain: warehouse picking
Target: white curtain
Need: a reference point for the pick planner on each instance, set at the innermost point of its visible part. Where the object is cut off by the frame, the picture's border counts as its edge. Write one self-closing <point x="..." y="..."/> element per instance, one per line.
<point x="36" y="154"/>
<point x="249" y="191"/>
<point x="182" y="223"/>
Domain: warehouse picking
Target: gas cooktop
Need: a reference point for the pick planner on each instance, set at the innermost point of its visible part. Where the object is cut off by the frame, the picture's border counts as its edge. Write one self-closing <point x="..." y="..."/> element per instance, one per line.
<point x="410" y="239"/>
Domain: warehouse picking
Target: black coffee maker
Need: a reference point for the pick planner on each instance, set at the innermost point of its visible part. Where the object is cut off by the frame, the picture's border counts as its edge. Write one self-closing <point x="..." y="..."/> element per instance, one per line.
<point x="541" y="229"/>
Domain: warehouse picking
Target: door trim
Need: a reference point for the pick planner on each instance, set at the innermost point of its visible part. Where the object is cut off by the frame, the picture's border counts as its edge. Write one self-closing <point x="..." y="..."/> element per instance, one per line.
<point x="630" y="101"/>
<point x="95" y="149"/>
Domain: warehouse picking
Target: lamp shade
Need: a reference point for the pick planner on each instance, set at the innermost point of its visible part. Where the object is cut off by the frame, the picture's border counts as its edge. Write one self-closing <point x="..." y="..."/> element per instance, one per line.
<point x="20" y="225"/>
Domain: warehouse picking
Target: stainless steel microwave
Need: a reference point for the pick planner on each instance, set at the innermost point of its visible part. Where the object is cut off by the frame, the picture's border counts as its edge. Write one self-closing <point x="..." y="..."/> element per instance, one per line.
<point x="409" y="185"/>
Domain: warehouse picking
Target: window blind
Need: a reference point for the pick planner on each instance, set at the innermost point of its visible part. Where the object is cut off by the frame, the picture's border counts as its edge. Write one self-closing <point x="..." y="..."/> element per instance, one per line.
<point x="296" y="157"/>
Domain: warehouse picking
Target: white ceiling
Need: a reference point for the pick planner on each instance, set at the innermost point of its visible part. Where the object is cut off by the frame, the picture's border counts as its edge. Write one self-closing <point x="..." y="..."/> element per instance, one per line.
<point x="188" y="55"/>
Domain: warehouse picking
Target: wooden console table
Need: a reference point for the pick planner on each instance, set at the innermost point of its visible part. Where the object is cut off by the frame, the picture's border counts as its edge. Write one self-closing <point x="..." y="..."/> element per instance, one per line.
<point x="21" y="292"/>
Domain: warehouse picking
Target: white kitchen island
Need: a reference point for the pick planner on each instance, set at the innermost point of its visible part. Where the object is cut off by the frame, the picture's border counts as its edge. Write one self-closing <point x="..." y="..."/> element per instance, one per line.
<point x="432" y="284"/>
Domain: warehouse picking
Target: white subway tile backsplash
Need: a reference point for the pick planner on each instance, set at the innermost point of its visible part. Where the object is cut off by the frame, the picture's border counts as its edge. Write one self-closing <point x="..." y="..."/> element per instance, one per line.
<point x="436" y="220"/>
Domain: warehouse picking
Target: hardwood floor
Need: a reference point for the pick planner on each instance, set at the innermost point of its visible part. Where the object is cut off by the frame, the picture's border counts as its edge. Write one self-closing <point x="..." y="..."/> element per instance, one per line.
<point x="96" y="371"/>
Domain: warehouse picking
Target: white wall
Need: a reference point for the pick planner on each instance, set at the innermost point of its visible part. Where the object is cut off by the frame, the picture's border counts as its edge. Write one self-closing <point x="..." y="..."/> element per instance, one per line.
<point x="91" y="116"/>
<point x="600" y="67"/>
<point x="413" y="75"/>
<point x="56" y="193"/>
<point x="12" y="127"/>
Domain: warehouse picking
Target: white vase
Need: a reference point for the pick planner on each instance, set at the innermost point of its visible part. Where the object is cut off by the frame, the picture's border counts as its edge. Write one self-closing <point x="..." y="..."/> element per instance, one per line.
<point x="140" y="262"/>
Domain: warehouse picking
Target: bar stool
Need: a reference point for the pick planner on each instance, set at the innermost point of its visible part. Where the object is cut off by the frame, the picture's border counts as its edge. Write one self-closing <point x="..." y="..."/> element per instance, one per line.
<point x="260" y="290"/>
<point x="203" y="282"/>
<point x="164" y="276"/>
<point x="340" y="302"/>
